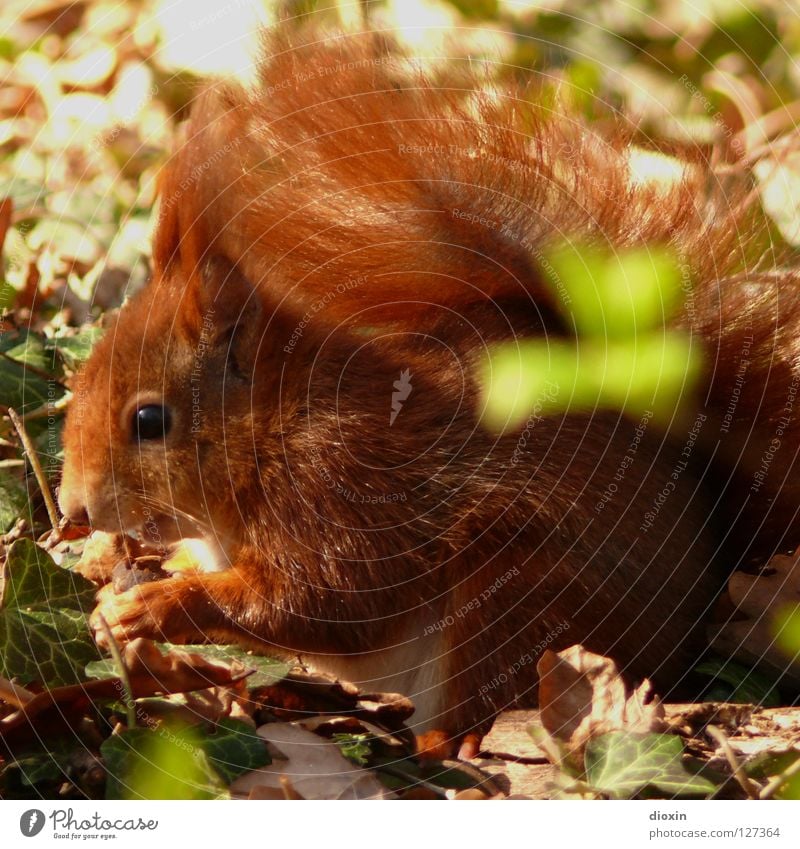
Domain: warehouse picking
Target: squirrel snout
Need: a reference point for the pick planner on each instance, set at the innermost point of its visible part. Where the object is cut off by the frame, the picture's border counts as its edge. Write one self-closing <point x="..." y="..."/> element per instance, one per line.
<point x="72" y="506"/>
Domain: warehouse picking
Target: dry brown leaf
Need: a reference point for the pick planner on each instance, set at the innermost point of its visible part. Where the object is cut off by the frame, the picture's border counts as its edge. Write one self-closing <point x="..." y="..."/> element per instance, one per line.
<point x="582" y="695"/>
<point x="315" y="768"/>
<point x="473" y="795"/>
<point x="151" y="672"/>
<point x="301" y="693"/>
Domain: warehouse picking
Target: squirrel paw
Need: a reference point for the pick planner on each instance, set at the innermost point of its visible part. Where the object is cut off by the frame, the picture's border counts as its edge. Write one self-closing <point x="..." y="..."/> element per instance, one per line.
<point x="151" y="610"/>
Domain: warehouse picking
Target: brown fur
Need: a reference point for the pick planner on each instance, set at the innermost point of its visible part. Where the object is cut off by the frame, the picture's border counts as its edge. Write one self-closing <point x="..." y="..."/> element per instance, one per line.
<point x="300" y="222"/>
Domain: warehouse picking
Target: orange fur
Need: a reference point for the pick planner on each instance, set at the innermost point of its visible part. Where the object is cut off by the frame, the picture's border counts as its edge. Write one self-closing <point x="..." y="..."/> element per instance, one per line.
<point x="316" y="240"/>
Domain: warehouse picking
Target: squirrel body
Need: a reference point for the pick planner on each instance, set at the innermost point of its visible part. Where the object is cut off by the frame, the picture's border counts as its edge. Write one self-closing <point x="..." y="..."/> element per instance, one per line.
<point x="298" y="385"/>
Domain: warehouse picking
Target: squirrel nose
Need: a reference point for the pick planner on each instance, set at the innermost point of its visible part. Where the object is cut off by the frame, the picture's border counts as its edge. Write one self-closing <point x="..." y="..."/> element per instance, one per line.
<point x="73" y="508"/>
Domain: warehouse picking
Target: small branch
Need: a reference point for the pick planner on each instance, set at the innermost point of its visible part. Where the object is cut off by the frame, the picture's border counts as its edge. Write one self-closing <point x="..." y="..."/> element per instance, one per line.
<point x="48" y="409"/>
<point x="116" y="654"/>
<point x="13" y="694"/>
<point x="30" y="452"/>
<point x="773" y="786"/>
<point x="745" y="782"/>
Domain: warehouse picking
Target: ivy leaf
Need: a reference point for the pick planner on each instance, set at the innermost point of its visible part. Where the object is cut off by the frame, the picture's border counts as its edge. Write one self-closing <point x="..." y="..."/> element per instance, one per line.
<point x="268" y="671"/>
<point x="21" y="388"/>
<point x="32" y="351"/>
<point x="44" y="766"/>
<point x="622" y="765"/>
<point x="164" y="763"/>
<point x="234" y="748"/>
<point x="74" y="350"/>
<point x="744" y="685"/>
<point x="44" y="634"/>
<point x="13" y="500"/>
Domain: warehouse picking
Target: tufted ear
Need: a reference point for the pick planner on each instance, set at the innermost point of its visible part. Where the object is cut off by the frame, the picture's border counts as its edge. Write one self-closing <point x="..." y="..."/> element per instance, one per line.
<point x="232" y="311"/>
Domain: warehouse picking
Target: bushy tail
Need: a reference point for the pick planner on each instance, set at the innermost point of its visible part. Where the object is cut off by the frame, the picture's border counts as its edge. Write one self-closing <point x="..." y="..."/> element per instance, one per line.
<point x="348" y="187"/>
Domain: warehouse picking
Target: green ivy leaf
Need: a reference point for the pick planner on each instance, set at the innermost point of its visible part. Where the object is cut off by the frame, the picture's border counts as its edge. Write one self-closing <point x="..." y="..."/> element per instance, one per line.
<point x="44" y="634"/>
<point x="23" y="389"/>
<point x="32" y="578"/>
<point x="74" y="350"/>
<point x="13" y="500"/>
<point x="48" y="766"/>
<point x="32" y="351"/>
<point x="622" y="765"/>
<point x="267" y="670"/>
<point x="235" y="748"/>
<point x="746" y="686"/>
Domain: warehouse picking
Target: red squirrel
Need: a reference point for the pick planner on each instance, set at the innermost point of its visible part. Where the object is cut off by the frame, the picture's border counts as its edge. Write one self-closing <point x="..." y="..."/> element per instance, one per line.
<point x="299" y="386"/>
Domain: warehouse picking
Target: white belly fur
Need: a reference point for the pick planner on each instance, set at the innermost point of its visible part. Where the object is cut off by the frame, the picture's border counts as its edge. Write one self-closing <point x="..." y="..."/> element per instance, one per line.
<point x="413" y="668"/>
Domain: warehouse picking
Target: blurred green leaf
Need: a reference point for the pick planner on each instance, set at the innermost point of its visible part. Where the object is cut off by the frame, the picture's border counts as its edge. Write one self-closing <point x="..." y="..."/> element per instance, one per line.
<point x="648" y="374"/>
<point x="8" y="296"/>
<point x="24" y="192"/>
<point x="787" y="630"/>
<point x="167" y="762"/>
<point x="620" y="295"/>
<point x="624" y="357"/>
<point x="480" y="9"/>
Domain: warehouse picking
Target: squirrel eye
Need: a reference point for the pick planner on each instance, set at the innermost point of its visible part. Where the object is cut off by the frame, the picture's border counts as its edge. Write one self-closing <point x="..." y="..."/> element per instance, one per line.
<point x="151" y="422"/>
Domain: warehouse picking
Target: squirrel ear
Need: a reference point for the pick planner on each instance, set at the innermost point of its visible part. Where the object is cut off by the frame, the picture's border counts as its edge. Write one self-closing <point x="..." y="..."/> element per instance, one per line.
<point x="232" y="306"/>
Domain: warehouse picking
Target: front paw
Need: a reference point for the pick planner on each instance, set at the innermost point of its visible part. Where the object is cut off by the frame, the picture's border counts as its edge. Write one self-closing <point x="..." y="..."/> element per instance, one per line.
<point x="152" y="610"/>
<point x="101" y="553"/>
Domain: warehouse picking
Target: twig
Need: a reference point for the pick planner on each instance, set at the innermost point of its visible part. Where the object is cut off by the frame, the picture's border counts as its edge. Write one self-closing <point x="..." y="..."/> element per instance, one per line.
<point x="745" y="782"/>
<point x="116" y="654"/>
<point x="769" y="791"/>
<point x="13" y="694"/>
<point x="756" y="136"/>
<point x="49" y="408"/>
<point x="30" y="452"/>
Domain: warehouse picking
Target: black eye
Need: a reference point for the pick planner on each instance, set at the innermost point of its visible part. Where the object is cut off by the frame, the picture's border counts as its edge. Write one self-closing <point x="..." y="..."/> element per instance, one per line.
<point x="151" y="422"/>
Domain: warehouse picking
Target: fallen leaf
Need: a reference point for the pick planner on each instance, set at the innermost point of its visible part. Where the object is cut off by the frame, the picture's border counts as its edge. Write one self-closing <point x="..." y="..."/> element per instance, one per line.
<point x="582" y="695"/>
<point x="621" y="764"/>
<point x="315" y="768"/>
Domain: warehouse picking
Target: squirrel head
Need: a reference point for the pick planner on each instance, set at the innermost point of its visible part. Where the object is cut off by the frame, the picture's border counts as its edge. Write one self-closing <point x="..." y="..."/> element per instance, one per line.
<point x="163" y="410"/>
